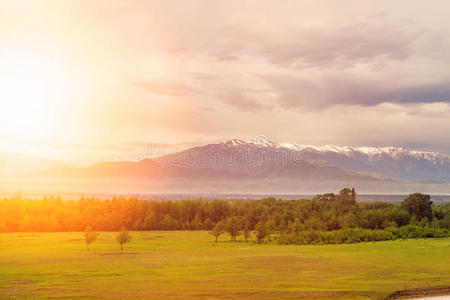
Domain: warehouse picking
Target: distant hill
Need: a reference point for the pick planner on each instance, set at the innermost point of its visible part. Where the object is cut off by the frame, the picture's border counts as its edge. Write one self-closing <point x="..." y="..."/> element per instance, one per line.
<point x="17" y="164"/>
<point x="159" y="169"/>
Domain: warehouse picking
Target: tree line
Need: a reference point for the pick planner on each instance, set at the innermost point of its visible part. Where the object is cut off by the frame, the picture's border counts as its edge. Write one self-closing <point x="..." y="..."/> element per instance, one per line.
<point x="327" y="218"/>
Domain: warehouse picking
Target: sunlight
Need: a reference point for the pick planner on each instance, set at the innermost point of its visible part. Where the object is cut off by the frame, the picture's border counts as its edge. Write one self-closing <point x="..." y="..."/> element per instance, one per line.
<point x="32" y="89"/>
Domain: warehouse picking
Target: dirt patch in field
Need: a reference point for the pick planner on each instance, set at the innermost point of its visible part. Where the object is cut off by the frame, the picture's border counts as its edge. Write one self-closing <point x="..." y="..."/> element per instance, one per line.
<point x="421" y="292"/>
<point x="20" y="282"/>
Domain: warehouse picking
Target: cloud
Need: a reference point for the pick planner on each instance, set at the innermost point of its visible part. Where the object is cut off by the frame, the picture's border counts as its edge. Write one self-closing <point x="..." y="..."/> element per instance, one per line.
<point x="165" y="87"/>
<point x="313" y="56"/>
<point x="341" y="46"/>
<point x="233" y="96"/>
<point x="303" y="71"/>
<point x="200" y="76"/>
<point x="295" y="91"/>
<point x="241" y="100"/>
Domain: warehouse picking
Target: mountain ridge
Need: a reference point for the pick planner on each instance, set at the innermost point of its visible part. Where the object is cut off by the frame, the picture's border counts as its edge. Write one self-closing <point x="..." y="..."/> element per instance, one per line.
<point x="368" y="150"/>
<point x="397" y="162"/>
<point x="260" y="166"/>
<point x="263" y="157"/>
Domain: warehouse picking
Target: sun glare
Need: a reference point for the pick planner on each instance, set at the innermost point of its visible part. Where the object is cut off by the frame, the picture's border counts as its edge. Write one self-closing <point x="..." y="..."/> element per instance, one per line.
<point x="32" y="89"/>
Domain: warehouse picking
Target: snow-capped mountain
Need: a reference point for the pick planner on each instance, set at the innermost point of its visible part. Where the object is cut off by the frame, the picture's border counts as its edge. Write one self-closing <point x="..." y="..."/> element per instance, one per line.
<point x="263" y="166"/>
<point x="262" y="155"/>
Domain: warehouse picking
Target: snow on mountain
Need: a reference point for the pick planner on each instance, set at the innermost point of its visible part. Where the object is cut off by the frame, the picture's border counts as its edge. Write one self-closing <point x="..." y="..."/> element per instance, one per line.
<point x="397" y="162"/>
<point x="394" y="152"/>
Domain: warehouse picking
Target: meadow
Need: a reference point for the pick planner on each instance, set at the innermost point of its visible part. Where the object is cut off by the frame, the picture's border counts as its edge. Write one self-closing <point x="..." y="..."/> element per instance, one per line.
<point x="188" y="264"/>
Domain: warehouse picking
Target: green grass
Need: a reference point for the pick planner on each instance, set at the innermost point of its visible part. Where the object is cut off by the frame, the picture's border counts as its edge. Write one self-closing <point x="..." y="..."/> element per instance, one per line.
<point x="190" y="265"/>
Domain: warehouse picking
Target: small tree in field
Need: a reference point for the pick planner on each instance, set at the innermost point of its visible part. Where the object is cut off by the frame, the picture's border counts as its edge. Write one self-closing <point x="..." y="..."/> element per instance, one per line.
<point x="89" y="236"/>
<point x="233" y="226"/>
<point x="123" y="238"/>
<point x="218" y="230"/>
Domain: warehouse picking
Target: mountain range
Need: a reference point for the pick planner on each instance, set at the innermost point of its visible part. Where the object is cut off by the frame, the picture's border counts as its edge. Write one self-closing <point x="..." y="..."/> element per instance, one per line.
<point x="264" y="166"/>
<point x="263" y="155"/>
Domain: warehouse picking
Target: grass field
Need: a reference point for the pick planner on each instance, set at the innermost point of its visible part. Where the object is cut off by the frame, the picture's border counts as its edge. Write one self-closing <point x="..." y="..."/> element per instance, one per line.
<point x="190" y="265"/>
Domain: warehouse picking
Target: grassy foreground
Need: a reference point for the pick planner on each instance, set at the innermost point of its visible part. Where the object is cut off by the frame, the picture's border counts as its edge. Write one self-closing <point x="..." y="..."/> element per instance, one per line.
<point x="186" y="264"/>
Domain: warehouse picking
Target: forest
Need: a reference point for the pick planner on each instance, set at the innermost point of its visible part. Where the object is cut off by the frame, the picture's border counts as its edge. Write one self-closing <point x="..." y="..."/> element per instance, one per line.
<point x="326" y="219"/>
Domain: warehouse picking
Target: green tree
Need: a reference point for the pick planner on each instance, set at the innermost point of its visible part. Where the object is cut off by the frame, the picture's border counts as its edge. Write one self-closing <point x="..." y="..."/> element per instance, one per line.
<point x="347" y="196"/>
<point x="315" y="223"/>
<point x="295" y="226"/>
<point x="399" y="216"/>
<point x="329" y="197"/>
<point x="123" y="237"/>
<point x="150" y="221"/>
<point x="270" y="228"/>
<point x="218" y="230"/>
<point x="350" y="220"/>
<point x="208" y="225"/>
<point x="445" y="222"/>
<point x="196" y="224"/>
<point x="261" y="231"/>
<point x="419" y="205"/>
<point x="375" y="218"/>
<point x="90" y="236"/>
<point x="246" y="229"/>
<point x="354" y="196"/>
<point x="169" y="223"/>
<point x="232" y="227"/>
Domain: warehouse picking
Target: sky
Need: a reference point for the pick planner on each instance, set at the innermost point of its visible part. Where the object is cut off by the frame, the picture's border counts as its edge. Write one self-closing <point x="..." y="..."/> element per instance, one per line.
<point x="85" y="81"/>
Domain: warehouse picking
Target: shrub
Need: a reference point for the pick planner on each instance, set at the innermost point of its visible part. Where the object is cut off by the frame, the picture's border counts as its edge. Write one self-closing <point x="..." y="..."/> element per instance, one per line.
<point x="357" y="235"/>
